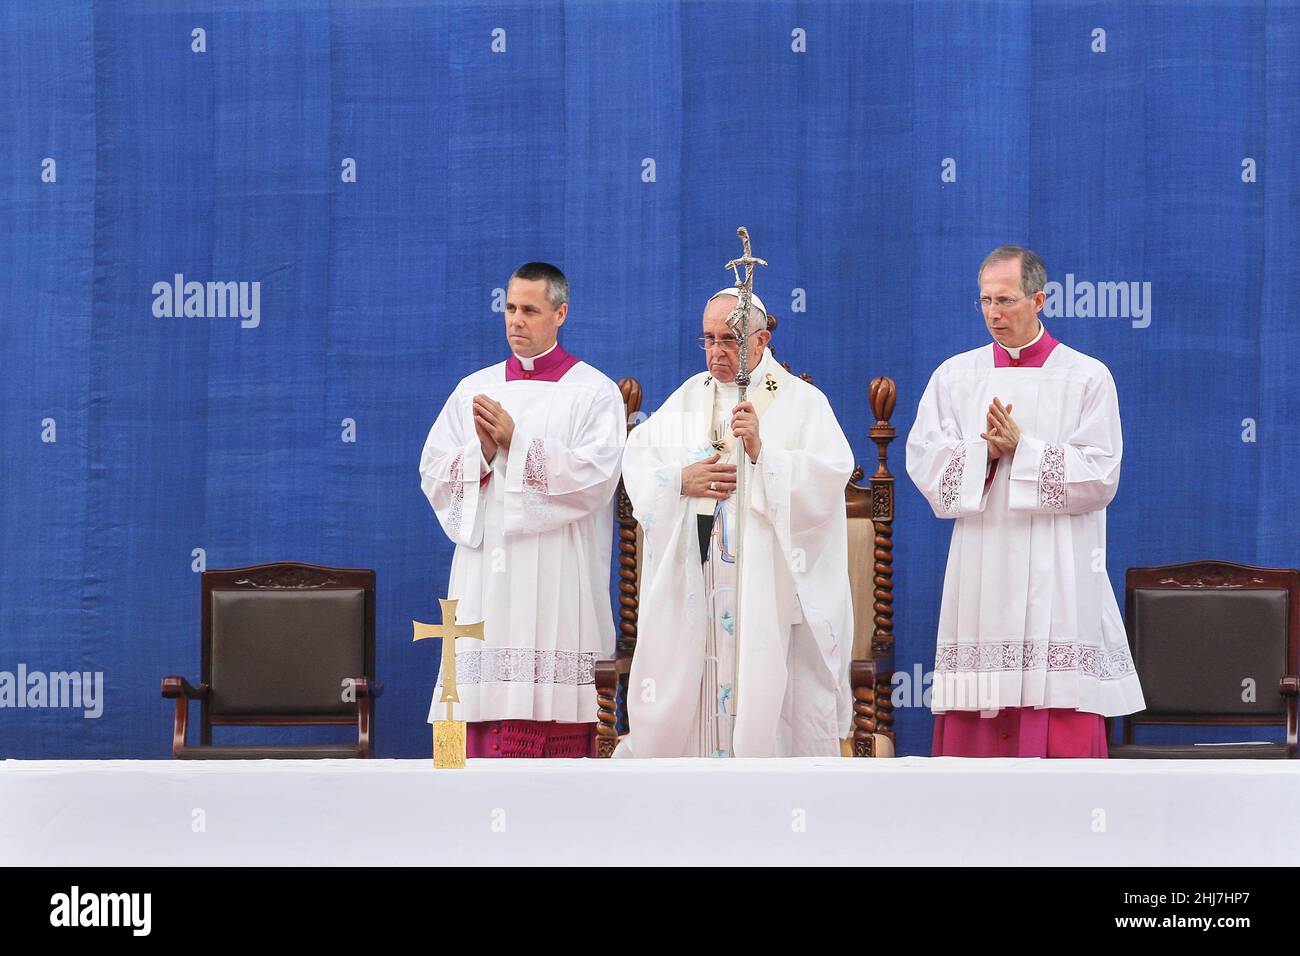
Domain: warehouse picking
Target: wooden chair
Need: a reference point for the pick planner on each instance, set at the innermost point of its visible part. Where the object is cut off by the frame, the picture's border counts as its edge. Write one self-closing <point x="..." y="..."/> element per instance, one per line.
<point x="1214" y="643"/>
<point x="870" y="510"/>
<point x="282" y="645"/>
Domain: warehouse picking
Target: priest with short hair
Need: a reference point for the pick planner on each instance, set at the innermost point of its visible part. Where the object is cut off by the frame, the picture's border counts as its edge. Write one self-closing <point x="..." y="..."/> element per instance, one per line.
<point x="785" y="691"/>
<point x="1018" y="443"/>
<point x="520" y="468"/>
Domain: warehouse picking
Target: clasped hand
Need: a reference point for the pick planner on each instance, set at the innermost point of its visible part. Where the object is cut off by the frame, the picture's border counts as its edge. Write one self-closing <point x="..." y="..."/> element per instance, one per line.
<point x="494" y="425"/>
<point x="1003" y="433"/>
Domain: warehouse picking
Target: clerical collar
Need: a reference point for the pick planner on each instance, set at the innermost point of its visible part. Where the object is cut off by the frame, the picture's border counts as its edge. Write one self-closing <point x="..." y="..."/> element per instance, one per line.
<point x="1030" y="355"/>
<point x="757" y="373"/>
<point x="550" y="366"/>
<point x="527" y="363"/>
<point x="1015" y="352"/>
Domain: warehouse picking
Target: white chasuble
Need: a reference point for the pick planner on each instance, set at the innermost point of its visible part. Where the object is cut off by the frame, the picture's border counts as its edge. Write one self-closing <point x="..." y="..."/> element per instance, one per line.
<point x="1028" y="616"/>
<point x="791" y="694"/>
<point x="533" y="536"/>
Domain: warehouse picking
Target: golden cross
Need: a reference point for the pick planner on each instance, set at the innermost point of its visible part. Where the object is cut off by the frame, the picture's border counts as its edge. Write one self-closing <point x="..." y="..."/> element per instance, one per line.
<point x="448" y="632"/>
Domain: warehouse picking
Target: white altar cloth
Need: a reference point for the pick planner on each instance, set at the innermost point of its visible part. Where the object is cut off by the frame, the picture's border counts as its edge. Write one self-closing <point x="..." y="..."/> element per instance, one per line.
<point x="888" y="812"/>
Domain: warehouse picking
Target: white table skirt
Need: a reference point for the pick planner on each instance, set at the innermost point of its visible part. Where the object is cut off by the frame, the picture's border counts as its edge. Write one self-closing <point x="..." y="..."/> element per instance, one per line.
<point x="907" y="811"/>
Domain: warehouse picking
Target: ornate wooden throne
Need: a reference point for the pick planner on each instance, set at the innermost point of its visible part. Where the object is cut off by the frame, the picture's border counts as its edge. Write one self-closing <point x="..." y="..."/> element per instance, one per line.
<point x="870" y="508"/>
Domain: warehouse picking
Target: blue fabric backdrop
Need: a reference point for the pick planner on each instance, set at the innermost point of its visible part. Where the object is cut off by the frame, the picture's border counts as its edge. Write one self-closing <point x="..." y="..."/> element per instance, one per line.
<point x="875" y="151"/>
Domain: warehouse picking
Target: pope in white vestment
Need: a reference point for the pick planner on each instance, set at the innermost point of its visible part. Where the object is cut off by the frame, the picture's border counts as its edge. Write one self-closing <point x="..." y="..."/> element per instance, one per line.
<point x="520" y="468"/>
<point x="1019" y="444"/>
<point x="791" y="694"/>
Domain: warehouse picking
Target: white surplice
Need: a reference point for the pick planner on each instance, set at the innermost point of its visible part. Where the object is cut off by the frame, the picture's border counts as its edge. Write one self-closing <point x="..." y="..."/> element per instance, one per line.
<point x="533" y="542"/>
<point x="1028" y="617"/>
<point x="796" y="615"/>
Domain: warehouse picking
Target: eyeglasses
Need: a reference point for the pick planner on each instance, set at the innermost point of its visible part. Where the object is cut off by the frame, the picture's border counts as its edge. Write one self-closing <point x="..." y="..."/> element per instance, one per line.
<point x="984" y="303"/>
<point x="729" y="343"/>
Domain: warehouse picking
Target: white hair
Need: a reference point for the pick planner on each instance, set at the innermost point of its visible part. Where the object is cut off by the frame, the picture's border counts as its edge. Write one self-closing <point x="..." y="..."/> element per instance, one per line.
<point x="757" y="317"/>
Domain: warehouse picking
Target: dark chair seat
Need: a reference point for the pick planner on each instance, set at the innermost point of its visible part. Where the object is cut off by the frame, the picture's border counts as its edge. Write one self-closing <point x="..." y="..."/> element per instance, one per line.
<point x="1248" y="751"/>
<point x="268" y="752"/>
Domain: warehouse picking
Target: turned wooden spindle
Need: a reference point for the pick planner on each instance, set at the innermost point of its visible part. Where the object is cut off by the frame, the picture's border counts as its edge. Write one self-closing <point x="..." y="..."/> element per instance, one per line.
<point x="873" y="711"/>
<point x="627" y="559"/>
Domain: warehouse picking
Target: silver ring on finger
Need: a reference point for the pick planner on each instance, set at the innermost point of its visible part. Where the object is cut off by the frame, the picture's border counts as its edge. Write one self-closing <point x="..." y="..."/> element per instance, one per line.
<point x="711" y="488"/>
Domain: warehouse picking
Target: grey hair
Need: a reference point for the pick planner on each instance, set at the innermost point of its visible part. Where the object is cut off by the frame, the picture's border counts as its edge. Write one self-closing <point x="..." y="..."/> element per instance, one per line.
<point x="557" y="286"/>
<point x="1033" y="273"/>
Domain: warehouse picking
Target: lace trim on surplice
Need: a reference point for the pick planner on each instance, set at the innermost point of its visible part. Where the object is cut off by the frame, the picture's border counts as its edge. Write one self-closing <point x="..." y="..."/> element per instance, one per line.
<point x="454" y="513"/>
<point x="950" y="483"/>
<point x="483" y="665"/>
<point x="1087" y="659"/>
<point x="536" y="484"/>
<point x="1051" y="479"/>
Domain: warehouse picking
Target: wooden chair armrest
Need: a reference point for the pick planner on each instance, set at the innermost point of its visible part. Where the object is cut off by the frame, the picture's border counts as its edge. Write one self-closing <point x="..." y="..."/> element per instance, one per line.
<point x="182" y="691"/>
<point x="366" y="694"/>
<point x="1290" y="688"/>
<point x="862" y="674"/>
<point x="614" y="667"/>
<point x="180" y="688"/>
